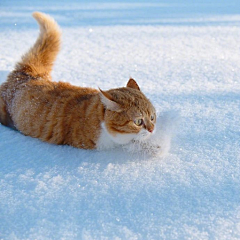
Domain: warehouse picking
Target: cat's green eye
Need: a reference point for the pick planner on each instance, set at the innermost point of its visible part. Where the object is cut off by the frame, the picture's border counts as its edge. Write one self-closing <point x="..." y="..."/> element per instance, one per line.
<point x="138" y="121"/>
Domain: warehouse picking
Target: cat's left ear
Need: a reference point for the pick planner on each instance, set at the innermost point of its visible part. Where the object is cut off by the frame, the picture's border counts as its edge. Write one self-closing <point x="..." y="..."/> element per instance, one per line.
<point x="133" y="84"/>
<point x="108" y="102"/>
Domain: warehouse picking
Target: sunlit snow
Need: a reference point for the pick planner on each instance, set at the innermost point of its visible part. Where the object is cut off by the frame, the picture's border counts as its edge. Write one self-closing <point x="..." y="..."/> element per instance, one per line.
<point x="185" y="55"/>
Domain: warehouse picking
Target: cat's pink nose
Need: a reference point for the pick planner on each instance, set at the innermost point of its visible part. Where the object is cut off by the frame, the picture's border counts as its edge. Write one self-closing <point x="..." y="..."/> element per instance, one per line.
<point x="150" y="130"/>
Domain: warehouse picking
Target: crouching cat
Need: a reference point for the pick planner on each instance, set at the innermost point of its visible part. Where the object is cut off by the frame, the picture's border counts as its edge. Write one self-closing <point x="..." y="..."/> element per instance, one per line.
<point x="59" y="113"/>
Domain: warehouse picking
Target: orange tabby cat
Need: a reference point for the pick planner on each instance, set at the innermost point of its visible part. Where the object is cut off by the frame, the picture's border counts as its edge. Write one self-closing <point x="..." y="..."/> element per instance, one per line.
<point x="60" y="113"/>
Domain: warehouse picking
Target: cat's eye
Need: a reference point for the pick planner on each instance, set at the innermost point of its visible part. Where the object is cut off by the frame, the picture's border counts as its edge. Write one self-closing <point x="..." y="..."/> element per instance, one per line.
<point x="152" y="117"/>
<point x="138" y="121"/>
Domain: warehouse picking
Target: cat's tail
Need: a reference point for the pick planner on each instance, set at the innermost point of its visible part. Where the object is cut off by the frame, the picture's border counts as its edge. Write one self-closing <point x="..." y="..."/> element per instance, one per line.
<point x="38" y="61"/>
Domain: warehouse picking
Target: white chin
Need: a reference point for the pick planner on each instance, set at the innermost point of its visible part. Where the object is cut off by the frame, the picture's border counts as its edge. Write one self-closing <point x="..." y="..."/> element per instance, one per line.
<point x="107" y="140"/>
<point x="126" y="138"/>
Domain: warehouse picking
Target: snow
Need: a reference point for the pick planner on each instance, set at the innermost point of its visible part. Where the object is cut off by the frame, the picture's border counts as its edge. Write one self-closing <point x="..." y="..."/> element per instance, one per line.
<point x="186" y="58"/>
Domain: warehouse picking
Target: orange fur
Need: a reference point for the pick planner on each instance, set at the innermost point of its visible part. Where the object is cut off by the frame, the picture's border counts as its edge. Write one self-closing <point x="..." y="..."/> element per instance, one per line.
<point x="60" y="113"/>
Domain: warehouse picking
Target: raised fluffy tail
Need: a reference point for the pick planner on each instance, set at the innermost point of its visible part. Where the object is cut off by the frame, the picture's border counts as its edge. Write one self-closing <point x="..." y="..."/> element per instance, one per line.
<point x="38" y="61"/>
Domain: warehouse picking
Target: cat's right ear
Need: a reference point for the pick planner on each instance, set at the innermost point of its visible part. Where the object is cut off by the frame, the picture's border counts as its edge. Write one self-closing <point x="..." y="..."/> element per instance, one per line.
<point x="107" y="101"/>
<point x="133" y="84"/>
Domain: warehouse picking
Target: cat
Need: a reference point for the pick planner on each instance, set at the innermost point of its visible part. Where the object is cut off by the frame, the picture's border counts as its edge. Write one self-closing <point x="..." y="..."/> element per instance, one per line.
<point x="60" y="113"/>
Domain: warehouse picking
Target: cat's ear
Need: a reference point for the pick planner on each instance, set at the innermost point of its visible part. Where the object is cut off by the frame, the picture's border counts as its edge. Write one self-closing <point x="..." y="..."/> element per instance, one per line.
<point x="132" y="84"/>
<point x="108" y="102"/>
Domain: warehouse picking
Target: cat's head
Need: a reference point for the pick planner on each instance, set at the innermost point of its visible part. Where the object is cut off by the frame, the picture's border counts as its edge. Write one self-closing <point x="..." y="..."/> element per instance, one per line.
<point x="129" y="115"/>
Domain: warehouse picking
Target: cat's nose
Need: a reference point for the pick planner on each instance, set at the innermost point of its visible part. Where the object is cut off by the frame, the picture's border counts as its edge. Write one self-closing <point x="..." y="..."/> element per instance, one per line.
<point x="150" y="129"/>
<point x="149" y="126"/>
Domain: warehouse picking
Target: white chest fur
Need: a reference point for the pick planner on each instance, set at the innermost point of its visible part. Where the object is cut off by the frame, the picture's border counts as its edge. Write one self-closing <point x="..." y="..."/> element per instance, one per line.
<point x="107" y="140"/>
<point x="104" y="140"/>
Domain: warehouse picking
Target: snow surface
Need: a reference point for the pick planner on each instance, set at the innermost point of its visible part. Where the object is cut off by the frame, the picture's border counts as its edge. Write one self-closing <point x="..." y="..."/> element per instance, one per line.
<point x="185" y="55"/>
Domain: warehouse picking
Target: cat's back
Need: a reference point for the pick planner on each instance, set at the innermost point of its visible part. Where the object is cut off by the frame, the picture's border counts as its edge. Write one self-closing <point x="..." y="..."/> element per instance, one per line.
<point x="52" y="111"/>
<point x="53" y="90"/>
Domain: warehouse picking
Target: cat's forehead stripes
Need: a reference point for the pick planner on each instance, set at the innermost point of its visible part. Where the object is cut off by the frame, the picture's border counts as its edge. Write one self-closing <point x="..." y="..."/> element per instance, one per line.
<point x="128" y="97"/>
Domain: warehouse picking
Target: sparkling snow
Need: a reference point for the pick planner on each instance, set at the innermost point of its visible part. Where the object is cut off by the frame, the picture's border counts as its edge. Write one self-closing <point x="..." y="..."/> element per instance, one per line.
<point x="186" y="58"/>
